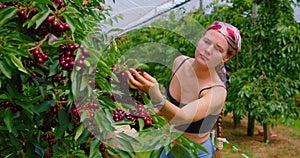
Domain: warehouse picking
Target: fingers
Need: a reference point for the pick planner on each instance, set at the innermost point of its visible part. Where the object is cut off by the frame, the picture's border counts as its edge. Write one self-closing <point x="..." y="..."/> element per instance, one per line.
<point x="142" y="82"/>
<point x="149" y="77"/>
<point x="138" y="76"/>
<point x="131" y="81"/>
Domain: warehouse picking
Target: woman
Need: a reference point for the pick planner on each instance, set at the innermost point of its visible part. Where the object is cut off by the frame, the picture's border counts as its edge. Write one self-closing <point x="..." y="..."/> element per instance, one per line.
<point x="197" y="89"/>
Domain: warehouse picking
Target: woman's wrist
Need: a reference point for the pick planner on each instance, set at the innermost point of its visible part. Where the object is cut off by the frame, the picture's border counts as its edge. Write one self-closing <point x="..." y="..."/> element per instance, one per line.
<point x="160" y="104"/>
<point x="155" y="94"/>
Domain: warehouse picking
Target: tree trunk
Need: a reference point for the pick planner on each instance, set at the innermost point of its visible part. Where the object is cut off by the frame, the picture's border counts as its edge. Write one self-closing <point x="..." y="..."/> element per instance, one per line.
<point x="201" y="11"/>
<point x="251" y="122"/>
<point x="254" y="13"/>
<point x="267" y="137"/>
<point x="236" y="120"/>
<point x="216" y="5"/>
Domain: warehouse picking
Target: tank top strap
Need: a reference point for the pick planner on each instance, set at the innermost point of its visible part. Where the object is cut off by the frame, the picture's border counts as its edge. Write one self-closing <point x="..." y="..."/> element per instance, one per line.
<point x="179" y="67"/>
<point x="219" y="85"/>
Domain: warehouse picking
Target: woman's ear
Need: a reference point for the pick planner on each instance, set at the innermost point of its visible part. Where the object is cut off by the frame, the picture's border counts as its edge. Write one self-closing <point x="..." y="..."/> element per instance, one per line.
<point x="227" y="57"/>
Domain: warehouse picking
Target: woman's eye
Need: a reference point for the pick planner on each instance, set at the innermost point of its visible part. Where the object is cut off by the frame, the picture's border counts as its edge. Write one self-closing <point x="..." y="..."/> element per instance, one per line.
<point x="206" y="41"/>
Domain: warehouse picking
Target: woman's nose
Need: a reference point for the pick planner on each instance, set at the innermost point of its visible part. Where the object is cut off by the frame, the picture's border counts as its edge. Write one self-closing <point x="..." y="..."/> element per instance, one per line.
<point x="209" y="49"/>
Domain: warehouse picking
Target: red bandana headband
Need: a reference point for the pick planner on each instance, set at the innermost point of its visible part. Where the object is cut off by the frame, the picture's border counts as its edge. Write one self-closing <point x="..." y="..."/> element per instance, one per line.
<point x="231" y="33"/>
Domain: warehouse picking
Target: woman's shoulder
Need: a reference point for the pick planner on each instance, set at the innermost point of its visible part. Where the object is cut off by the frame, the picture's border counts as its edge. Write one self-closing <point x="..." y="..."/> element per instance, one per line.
<point x="179" y="60"/>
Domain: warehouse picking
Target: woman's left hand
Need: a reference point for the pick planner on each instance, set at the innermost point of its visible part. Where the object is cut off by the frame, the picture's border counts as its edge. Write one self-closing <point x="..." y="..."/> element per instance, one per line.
<point x="145" y="83"/>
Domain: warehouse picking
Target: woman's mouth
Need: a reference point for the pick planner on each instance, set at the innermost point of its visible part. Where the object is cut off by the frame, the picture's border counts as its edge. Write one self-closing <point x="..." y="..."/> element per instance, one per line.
<point x="203" y="57"/>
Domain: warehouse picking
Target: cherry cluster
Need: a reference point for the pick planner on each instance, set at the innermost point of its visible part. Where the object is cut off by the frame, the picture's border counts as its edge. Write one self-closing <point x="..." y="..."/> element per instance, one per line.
<point x="39" y="55"/>
<point x="60" y="3"/>
<point x="51" y="121"/>
<point x="12" y="106"/>
<point x="102" y="147"/>
<point x="90" y="106"/>
<point x="134" y="116"/>
<point x="55" y="25"/>
<point x="66" y="60"/>
<point x="49" y="136"/>
<point x="26" y="14"/>
<point x="5" y="4"/>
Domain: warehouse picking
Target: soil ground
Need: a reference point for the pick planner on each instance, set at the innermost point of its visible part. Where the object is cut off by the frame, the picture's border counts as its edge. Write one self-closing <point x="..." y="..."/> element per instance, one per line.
<point x="286" y="143"/>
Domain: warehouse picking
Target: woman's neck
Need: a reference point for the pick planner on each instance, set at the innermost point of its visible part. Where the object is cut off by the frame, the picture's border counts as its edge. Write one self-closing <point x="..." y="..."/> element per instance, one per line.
<point x="204" y="73"/>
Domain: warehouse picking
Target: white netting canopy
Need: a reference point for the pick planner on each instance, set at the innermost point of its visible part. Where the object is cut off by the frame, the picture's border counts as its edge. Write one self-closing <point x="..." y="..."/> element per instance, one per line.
<point x="137" y="12"/>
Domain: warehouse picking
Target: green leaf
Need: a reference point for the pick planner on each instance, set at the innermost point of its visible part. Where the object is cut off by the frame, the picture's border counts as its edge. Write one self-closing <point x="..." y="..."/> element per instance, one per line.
<point x="141" y="124"/>
<point x="94" y="147"/>
<point x="17" y="51"/>
<point x="53" y="68"/>
<point x="83" y="84"/>
<point x="24" y="105"/>
<point x="4" y="96"/>
<point x="82" y="139"/>
<point x="39" y="1"/>
<point x="63" y="118"/>
<point x="5" y="69"/>
<point x="102" y="121"/>
<point x="70" y="22"/>
<point x="38" y="18"/>
<point x="39" y="150"/>
<point x="57" y="43"/>
<point x="41" y="18"/>
<point x="8" y="119"/>
<point x="17" y="62"/>
<point x="79" y="2"/>
<point x="6" y="14"/>
<point x="79" y="132"/>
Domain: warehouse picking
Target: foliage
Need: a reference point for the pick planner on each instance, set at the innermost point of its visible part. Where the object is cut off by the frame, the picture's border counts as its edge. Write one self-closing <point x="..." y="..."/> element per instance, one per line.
<point x="62" y="87"/>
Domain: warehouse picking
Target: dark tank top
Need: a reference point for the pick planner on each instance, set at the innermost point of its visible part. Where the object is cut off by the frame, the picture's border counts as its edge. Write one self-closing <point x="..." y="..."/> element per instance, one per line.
<point x="202" y="126"/>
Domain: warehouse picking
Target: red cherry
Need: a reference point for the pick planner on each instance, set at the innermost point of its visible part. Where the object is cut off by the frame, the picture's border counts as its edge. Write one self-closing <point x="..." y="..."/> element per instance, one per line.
<point x="21" y="13"/>
<point x="65" y="66"/>
<point x="45" y="57"/>
<point x="46" y="137"/>
<point x="54" y="24"/>
<point x="67" y="58"/>
<point x="36" y="52"/>
<point x="26" y="16"/>
<point x="40" y="60"/>
<point x="82" y="57"/>
<point x="140" y="109"/>
<point x="147" y="113"/>
<point x="61" y="27"/>
<point x="68" y="53"/>
<point x="148" y="122"/>
<point x="61" y="48"/>
<point x="85" y="52"/>
<point x="62" y="4"/>
<point x="70" y="46"/>
<point x="80" y="62"/>
<point x="92" y="114"/>
<point x="71" y="63"/>
<point x="66" y="26"/>
<point x="62" y="62"/>
<point x="102" y="149"/>
<point x="75" y="112"/>
<point x="50" y="19"/>
<point x="52" y="135"/>
<point x="62" y="19"/>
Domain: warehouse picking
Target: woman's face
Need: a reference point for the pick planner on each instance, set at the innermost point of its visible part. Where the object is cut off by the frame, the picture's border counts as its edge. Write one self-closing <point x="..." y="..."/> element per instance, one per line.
<point x="212" y="49"/>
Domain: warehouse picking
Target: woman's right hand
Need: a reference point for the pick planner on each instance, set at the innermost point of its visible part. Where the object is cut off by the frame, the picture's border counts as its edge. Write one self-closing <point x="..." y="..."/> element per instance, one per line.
<point x="145" y="83"/>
